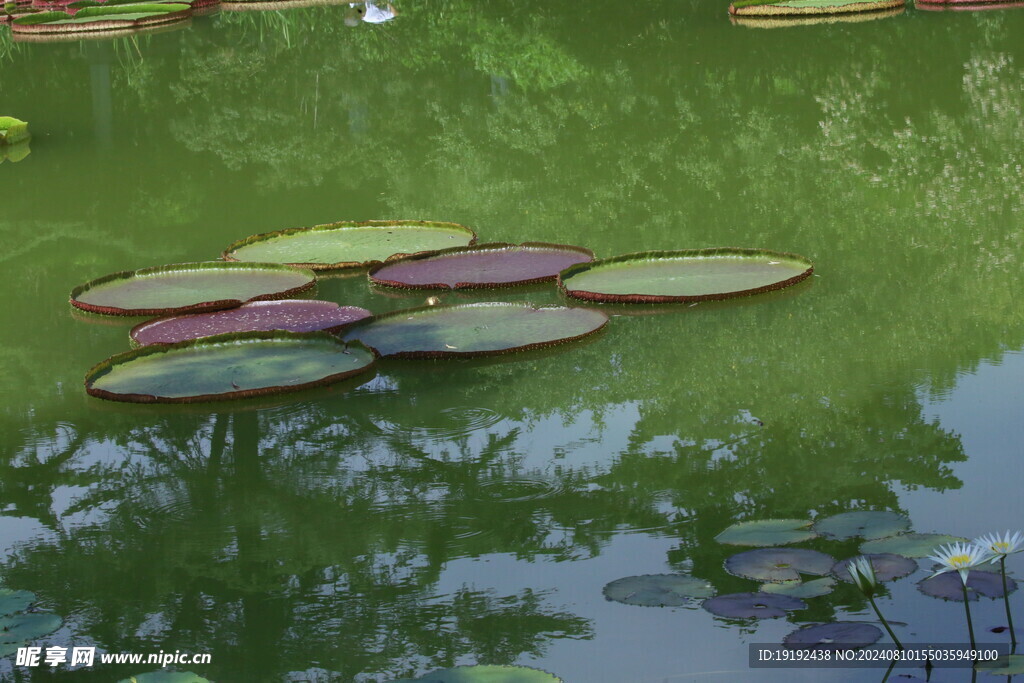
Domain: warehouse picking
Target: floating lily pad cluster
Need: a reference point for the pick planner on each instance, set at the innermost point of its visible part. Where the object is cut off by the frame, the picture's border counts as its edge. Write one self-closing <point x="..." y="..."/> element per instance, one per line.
<point x="19" y="624"/>
<point x="232" y="328"/>
<point x="787" y="576"/>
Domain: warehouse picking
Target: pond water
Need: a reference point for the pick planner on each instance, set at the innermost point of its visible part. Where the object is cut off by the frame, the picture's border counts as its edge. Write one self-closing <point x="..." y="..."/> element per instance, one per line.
<point x="463" y="512"/>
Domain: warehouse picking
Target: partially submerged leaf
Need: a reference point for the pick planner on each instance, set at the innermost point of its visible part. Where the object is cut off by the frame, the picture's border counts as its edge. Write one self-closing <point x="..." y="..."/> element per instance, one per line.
<point x="909" y="545"/>
<point x="473" y="329"/>
<point x="658" y="590"/>
<point x="801" y="589"/>
<point x="752" y="605"/>
<point x="767" y="532"/>
<point x="12" y="130"/>
<point x="778" y="564"/>
<point x="486" y="673"/>
<point x="1005" y="665"/>
<point x="189" y="288"/>
<point x="683" y="276"/>
<point x="839" y="635"/>
<point x="948" y="586"/>
<point x="294" y="315"/>
<point x="349" y="244"/>
<point x="866" y="524"/>
<point x="28" y="626"/>
<point x="15" y="601"/>
<point x="484" y="265"/>
<point x="887" y="566"/>
<point x="227" y="367"/>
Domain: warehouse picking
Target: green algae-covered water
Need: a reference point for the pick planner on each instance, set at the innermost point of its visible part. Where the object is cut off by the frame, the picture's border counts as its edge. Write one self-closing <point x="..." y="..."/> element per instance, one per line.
<point x="470" y="512"/>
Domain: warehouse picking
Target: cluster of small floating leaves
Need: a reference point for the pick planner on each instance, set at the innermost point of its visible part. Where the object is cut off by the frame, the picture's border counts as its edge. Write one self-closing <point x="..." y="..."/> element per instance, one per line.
<point x="19" y="624"/>
<point x="229" y="329"/>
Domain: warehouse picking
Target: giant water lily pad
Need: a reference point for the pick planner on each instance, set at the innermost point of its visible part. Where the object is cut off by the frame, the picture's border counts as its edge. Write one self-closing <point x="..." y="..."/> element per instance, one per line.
<point x="794" y="20"/>
<point x="779" y="564"/>
<point x="473" y="329"/>
<point x="486" y="673"/>
<point x="767" y="532"/>
<point x="801" y="589"/>
<point x="752" y="605"/>
<point x="1004" y="665"/>
<point x="15" y="601"/>
<point x="909" y="545"/>
<point x="681" y="276"/>
<point x="12" y="130"/>
<point x="887" y="567"/>
<point x="21" y="627"/>
<point x="484" y="265"/>
<point x="658" y="590"/>
<point x="189" y="288"/>
<point x="349" y="244"/>
<point x="839" y="635"/>
<point x="103" y="18"/>
<point x="227" y="367"/>
<point x="866" y="524"/>
<point x="948" y="586"/>
<point x="764" y="8"/>
<point x="295" y="315"/>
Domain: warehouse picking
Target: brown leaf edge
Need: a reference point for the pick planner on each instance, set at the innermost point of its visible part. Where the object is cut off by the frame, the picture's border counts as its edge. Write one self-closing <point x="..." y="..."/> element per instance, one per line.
<point x="470" y="354"/>
<point x="104" y="366"/>
<point x="228" y="253"/>
<point x="682" y="253"/>
<point x="201" y="307"/>
<point x="490" y="246"/>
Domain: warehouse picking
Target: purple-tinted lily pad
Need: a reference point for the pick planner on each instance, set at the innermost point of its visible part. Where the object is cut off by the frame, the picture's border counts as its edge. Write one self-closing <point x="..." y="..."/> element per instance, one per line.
<point x="658" y="590"/>
<point x="683" y="276"/>
<point x="767" y="532"/>
<point x="948" y="586"/>
<point x="866" y="524"/>
<point x="349" y="244"/>
<point x="294" y="315"/>
<point x="779" y="564"/>
<point x="908" y="545"/>
<point x="227" y="366"/>
<point x="839" y="635"/>
<point x="753" y="605"/>
<point x="473" y="329"/>
<point x="189" y="288"/>
<point x="801" y="589"/>
<point x="887" y="566"/>
<point x="484" y="265"/>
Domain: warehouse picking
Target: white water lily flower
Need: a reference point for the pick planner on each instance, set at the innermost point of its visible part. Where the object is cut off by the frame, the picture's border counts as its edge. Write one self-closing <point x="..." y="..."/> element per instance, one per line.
<point x="863" y="574"/>
<point x="959" y="557"/>
<point x="1003" y="545"/>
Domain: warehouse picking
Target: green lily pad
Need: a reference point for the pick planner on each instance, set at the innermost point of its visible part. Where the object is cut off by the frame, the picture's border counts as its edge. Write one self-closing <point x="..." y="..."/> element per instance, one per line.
<point x="866" y="524"/>
<point x="15" y="601"/>
<point x="349" y="244"/>
<point x="683" y="276"/>
<point x="767" y="532"/>
<point x="488" y="673"/>
<point x="778" y="564"/>
<point x="227" y="366"/>
<point x="189" y="288"/>
<point x="1006" y="665"/>
<point x="908" y="545"/>
<point x="165" y="677"/>
<point x="472" y="329"/>
<point x="658" y="590"/>
<point x="12" y="130"/>
<point x="887" y="567"/>
<point x="839" y="635"/>
<point x="483" y="265"/>
<point x="103" y="18"/>
<point x="21" y="627"/>
<point x="800" y="589"/>
<point x="752" y="605"/>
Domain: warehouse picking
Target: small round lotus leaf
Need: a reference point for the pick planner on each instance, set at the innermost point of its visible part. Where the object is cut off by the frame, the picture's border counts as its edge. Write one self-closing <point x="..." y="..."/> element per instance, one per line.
<point x="752" y="605"/>
<point x="22" y="627"/>
<point x="908" y="545"/>
<point x="948" y="586"/>
<point x="801" y="589"/>
<point x="467" y="330"/>
<point x="1006" y="665"/>
<point x="14" y="601"/>
<point x="866" y="524"/>
<point x="767" y="532"/>
<point x="779" y="564"/>
<point x="166" y="677"/>
<point x="839" y="635"/>
<point x="489" y="673"/>
<point x="226" y="367"/>
<point x="887" y="566"/>
<point x="658" y="590"/>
